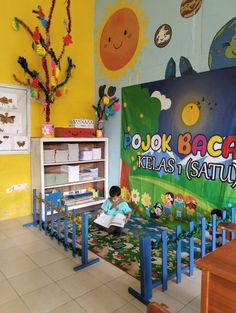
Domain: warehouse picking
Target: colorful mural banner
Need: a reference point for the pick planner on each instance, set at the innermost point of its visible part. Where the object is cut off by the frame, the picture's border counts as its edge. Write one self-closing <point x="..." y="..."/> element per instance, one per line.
<point x="178" y="145"/>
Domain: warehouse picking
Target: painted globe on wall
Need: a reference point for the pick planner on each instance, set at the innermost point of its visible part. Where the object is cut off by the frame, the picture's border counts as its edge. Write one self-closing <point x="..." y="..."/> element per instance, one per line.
<point x="223" y="47"/>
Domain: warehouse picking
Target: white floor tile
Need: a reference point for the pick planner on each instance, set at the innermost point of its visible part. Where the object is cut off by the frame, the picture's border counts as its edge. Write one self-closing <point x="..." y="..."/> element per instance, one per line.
<point x="46" y="299"/>
<point x="7" y="224"/>
<point x="16" y="231"/>
<point x="101" y="300"/>
<point x="105" y="271"/>
<point x="25" y="219"/>
<point x="70" y="307"/>
<point x="128" y="308"/>
<point x="60" y="248"/>
<point x="45" y="257"/>
<point x="26" y="237"/>
<point x="187" y="309"/>
<point x="60" y="269"/>
<point x="2" y="236"/>
<point x="32" y="247"/>
<point x="2" y="277"/>
<point x="79" y="283"/>
<point x="139" y="305"/>
<point x="7" y="293"/>
<point x="165" y="297"/>
<point x="184" y="292"/>
<point x="7" y="244"/>
<point x="196" y="278"/>
<point x="121" y="284"/>
<point x="195" y="304"/>
<point x="30" y="281"/>
<point x="13" y="268"/>
<point x="14" y="306"/>
<point x="11" y="255"/>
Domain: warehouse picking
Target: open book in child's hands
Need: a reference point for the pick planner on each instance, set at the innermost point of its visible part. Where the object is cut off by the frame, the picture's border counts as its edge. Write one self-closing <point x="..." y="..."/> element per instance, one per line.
<point x="107" y="220"/>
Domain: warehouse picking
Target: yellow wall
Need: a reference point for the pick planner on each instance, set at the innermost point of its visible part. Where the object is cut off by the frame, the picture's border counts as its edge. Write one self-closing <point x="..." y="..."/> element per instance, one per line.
<point x="79" y="93"/>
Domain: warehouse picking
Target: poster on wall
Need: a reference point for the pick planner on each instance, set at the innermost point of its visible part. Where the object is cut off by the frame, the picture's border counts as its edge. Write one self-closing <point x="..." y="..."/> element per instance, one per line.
<point x="178" y="149"/>
<point x="14" y="119"/>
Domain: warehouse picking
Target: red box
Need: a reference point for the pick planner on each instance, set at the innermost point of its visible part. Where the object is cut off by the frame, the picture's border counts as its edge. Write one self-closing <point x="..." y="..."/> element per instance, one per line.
<point x="74" y="132"/>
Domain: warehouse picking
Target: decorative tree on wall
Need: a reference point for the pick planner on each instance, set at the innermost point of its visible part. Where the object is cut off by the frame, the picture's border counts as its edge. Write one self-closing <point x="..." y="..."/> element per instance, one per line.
<point x="45" y="90"/>
<point x="107" y="105"/>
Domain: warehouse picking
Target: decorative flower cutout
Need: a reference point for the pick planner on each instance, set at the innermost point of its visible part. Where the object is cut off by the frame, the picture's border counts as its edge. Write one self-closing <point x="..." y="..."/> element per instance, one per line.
<point x="135" y="196"/>
<point x="146" y="200"/>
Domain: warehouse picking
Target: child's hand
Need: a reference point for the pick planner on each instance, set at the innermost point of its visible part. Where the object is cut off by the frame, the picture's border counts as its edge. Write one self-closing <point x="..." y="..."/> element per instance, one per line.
<point x="126" y="220"/>
<point x="100" y="212"/>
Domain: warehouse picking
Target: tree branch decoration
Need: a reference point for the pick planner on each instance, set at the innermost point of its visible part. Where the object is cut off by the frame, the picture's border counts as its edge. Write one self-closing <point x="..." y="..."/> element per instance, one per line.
<point x="107" y="105"/>
<point x="44" y="90"/>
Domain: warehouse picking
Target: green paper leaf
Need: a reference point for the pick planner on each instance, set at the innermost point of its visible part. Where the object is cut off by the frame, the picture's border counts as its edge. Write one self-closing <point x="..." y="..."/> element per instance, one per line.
<point x="15" y="25"/>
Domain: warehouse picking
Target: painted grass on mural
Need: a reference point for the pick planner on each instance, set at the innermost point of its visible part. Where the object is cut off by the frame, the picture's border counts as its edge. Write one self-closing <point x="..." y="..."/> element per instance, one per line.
<point x="156" y="186"/>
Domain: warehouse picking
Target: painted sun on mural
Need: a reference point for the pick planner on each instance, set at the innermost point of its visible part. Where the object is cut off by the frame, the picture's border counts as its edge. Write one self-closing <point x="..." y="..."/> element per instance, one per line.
<point x="120" y="39"/>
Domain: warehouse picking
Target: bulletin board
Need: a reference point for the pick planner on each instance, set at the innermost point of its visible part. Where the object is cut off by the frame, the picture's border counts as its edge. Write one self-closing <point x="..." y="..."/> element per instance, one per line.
<point x="14" y="119"/>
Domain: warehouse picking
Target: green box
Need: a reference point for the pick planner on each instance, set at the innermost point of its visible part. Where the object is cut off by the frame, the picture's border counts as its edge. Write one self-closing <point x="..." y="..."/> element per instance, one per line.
<point x="61" y="178"/>
<point x="49" y="179"/>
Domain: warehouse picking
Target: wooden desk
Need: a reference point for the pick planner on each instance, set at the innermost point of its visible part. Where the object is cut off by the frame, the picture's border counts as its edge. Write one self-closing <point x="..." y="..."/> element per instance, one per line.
<point x="219" y="280"/>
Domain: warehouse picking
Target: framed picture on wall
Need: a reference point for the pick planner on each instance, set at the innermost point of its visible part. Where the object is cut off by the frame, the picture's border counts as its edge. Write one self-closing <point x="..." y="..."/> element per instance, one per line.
<point x="14" y="119"/>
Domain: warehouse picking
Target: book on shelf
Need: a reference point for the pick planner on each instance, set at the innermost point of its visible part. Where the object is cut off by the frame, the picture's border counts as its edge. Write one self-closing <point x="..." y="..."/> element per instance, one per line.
<point x="72" y="202"/>
<point x="81" y="195"/>
<point x="76" y="198"/>
<point x="107" y="220"/>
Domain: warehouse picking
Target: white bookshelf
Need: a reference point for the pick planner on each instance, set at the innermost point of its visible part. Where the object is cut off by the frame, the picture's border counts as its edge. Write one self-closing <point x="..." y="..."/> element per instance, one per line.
<point x="40" y="169"/>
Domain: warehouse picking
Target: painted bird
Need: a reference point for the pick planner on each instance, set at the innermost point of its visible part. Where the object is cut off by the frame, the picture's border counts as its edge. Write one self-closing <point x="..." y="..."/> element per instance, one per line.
<point x="43" y="21"/>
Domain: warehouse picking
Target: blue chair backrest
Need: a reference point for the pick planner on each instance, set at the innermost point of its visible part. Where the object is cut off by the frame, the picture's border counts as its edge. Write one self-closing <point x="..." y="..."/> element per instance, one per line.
<point x="54" y="198"/>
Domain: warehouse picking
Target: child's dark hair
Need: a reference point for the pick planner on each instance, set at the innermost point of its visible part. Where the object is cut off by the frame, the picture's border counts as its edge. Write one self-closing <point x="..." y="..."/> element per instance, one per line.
<point x="217" y="212"/>
<point x="115" y="191"/>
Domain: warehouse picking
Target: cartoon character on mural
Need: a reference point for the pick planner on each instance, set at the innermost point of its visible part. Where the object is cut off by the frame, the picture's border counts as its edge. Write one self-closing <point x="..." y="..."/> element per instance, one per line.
<point x="179" y="205"/>
<point x="168" y="200"/>
<point x="163" y="36"/>
<point x="191" y="205"/>
<point x="157" y="211"/>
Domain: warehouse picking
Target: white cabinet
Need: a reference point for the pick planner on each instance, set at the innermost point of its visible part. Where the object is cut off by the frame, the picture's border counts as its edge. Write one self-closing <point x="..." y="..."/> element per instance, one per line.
<point x="77" y="167"/>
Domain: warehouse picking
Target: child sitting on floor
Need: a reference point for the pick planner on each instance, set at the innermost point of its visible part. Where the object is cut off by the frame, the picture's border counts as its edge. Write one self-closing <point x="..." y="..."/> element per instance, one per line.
<point x="114" y="205"/>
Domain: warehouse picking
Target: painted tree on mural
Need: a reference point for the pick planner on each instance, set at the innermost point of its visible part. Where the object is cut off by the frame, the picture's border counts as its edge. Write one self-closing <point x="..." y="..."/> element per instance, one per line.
<point x="45" y="89"/>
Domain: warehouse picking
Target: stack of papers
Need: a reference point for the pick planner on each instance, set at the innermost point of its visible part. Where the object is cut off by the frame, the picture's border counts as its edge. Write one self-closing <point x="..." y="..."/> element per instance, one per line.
<point x="86" y="155"/>
<point x="61" y="156"/>
<point x="73" y="173"/>
<point x="86" y="176"/>
<point x="94" y="172"/>
<point x="73" y="149"/>
<point x="97" y="153"/>
<point x="49" y="156"/>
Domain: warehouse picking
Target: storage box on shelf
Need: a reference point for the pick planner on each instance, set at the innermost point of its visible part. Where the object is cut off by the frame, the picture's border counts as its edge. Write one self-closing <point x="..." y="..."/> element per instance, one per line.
<point x="57" y="165"/>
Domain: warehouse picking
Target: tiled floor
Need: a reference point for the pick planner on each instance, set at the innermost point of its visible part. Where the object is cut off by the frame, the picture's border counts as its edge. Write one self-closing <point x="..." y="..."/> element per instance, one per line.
<point x="36" y="275"/>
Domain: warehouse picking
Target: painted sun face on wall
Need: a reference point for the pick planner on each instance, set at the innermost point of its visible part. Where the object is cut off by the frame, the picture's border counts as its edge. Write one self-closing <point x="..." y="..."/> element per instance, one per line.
<point x="120" y="40"/>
